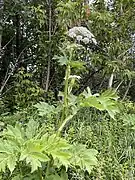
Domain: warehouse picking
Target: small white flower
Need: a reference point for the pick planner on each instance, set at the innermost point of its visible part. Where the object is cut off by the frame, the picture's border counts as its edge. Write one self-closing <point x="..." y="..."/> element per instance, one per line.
<point x="85" y="40"/>
<point x="71" y="34"/>
<point x="79" y="38"/>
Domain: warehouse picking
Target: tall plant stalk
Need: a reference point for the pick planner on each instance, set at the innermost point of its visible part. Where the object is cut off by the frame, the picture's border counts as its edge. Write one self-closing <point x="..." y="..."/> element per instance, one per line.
<point x="65" y="105"/>
<point x="65" y="117"/>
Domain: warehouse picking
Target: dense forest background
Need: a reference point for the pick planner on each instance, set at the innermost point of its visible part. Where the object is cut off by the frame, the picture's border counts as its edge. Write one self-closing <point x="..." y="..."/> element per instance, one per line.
<point x="49" y="76"/>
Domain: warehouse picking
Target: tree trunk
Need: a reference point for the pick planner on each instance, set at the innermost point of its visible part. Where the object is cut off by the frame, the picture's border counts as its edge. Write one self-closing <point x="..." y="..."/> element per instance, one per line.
<point x="1" y="18"/>
<point x="1" y="11"/>
<point x="50" y="46"/>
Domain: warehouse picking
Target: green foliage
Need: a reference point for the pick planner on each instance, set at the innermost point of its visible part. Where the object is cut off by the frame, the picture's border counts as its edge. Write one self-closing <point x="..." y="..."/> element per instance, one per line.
<point x="62" y="176"/>
<point x="57" y="140"/>
<point x="84" y="158"/>
<point x="24" y="91"/>
<point x="129" y="120"/>
<point x="105" y="101"/>
<point x="45" y="109"/>
<point x="27" y="144"/>
<point x="67" y="18"/>
<point x="113" y="140"/>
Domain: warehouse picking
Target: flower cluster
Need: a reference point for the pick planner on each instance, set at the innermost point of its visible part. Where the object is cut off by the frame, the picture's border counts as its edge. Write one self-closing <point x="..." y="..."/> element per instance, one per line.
<point x="82" y="34"/>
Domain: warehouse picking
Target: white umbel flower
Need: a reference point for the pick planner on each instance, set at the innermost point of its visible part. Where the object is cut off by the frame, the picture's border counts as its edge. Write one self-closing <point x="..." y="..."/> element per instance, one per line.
<point x="82" y="33"/>
<point x="71" y="34"/>
<point x="86" y="40"/>
<point x="79" y="38"/>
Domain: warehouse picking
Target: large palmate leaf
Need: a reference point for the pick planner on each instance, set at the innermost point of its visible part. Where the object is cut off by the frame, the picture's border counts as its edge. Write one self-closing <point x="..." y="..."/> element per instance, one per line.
<point x="63" y="60"/>
<point x="15" y="136"/>
<point x="32" y="129"/>
<point x="11" y="146"/>
<point x="34" y="159"/>
<point x="32" y="152"/>
<point x="45" y="109"/>
<point x="16" y="132"/>
<point x="106" y="101"/>
<point x="83" y="157"/>
<point x="58" y="148"/>
<point x="21" y="145"/>
<point x="8" y="158"/>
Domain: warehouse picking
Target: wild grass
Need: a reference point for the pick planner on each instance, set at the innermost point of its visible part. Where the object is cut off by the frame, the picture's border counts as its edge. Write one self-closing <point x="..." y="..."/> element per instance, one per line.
<point x="114" y="141"/>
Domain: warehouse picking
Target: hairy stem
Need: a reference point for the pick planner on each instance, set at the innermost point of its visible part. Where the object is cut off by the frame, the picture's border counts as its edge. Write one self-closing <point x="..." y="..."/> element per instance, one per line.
<point x="65" y="106"/>
<point x="65" y="122"/>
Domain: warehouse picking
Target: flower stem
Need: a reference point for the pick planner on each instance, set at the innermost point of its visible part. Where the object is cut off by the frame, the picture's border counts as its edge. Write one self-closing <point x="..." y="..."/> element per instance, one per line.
<point x="65" y="105"/>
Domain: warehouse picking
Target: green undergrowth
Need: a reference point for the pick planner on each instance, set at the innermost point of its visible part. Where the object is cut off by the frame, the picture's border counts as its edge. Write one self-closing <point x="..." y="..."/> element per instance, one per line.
<point x="114" y="141"/>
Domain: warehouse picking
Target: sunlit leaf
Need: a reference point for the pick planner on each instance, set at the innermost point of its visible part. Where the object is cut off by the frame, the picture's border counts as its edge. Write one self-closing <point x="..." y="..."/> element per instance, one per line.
<point x="83" y="157"/>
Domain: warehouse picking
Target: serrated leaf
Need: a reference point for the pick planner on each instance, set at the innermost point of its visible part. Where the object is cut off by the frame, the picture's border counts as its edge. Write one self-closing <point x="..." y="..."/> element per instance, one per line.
<point x="16" y="131"/>
<point x="92" y="102"/>
<point x="11" y="162"/>
<point x="62" y="157"/>
<point x="7" y="160"/>
<point x="35" y="163"/>
<point x="61" y="59"/>
<point x="83" y="157"/>
<point x="3" y="161"/>
<point x="33" y="153"/>
<point x="106" y="101"/>
<point x="54" y="142"/>
<point x="31" y="129"/>
<point x="110" y="94"/>
<point x="35" y="159"/>
<point x="58" y="148"/>
<point x="44" y="108"/>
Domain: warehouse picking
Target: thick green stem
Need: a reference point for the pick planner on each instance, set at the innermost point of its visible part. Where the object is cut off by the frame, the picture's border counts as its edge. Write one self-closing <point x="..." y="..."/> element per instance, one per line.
<point x="64" y="123"/>
<point x="65" y="106"/>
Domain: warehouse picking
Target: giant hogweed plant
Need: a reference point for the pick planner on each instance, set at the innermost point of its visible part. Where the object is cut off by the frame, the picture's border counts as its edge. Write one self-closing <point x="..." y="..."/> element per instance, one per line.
<point x="50" y="155"/>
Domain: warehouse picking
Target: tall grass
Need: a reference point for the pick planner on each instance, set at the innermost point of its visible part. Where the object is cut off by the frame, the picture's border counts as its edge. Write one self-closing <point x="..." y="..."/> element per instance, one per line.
<point x="114" y="141"/>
